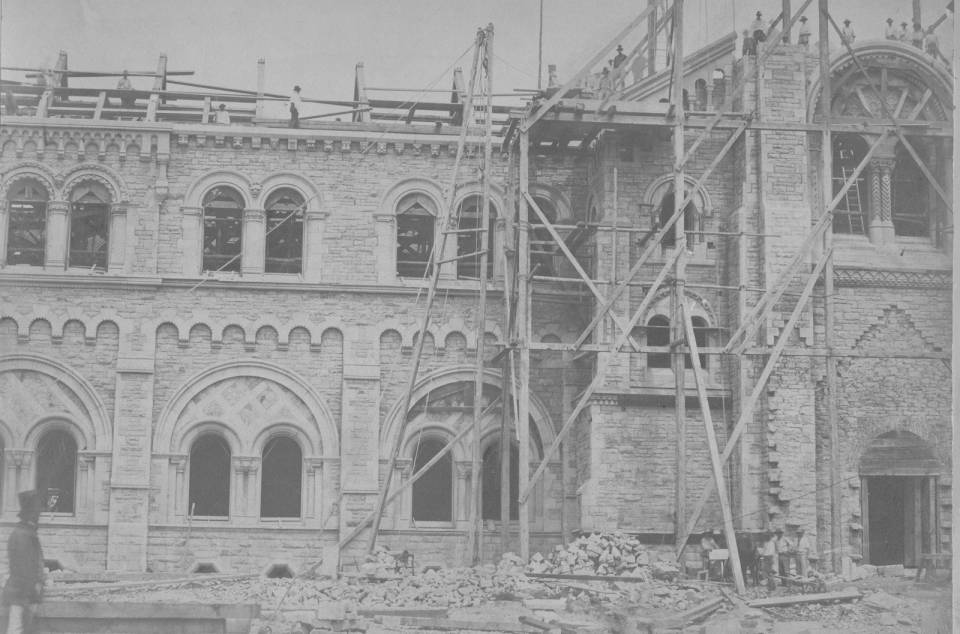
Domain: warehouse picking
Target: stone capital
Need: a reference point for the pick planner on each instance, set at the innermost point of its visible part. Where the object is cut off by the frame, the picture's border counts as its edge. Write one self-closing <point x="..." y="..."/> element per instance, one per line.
<point x="119" y="209"/>
<point x="179" y="462"/>
<point x="253" y="215"/>
<point x="246" y="464"/>
<point x="19" y="458"/>
<point x="316" y="216"/>
<point x="58" y="207"/>
<point x="405" y="467"/>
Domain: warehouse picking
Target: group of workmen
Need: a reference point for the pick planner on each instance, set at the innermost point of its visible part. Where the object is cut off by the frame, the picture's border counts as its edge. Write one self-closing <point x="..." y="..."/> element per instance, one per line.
<point x="923" y="39"/>
<point x="767" y="555"/>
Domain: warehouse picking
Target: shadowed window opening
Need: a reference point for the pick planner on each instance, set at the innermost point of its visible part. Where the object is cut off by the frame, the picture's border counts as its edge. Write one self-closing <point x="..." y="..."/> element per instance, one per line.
<point x="284" y="240"/>
<point x="543" y="249"/>
<point x="57" y="470"/>
<point x="491" y="481"/>
<point x="222" y="229"/>
<point x="282" y="467"/>
<point x="850" y="213"/>
<point x="416" y="220"/>
<point x="209" y="477"/>
<point x="690" y="215"/>
<point x="27" y="228"/>
<point x="658" y="334"/>
<point x="469" y="241"/>
<point x="433" y="493"/>
<point x="910" y="196"/>
<point x="89" y="227"/>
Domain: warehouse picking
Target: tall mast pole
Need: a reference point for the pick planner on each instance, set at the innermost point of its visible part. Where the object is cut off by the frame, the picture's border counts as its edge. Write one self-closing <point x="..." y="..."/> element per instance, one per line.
<point x="475" y="534"/>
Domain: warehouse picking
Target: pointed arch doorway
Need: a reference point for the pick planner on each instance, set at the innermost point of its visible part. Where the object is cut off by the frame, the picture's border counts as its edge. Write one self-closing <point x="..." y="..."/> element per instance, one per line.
<point x="899" y="475"/>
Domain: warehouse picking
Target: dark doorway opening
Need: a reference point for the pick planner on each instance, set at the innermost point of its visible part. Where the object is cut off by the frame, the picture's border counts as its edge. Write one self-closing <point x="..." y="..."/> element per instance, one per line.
<point x="886" y="520"/>
<point x="901" y="519"/>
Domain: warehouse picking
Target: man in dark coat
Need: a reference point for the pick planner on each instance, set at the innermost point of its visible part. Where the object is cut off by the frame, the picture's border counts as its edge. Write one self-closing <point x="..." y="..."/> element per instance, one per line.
<point x="24" y="588"/>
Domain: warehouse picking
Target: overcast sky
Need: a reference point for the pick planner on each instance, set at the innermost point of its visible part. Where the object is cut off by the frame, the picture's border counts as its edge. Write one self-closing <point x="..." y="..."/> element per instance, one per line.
<point x="403" y="43"/>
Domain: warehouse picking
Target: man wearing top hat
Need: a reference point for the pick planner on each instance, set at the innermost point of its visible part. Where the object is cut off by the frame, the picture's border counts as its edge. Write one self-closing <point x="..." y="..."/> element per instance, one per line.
<point x="24" y="588"/>
<point x="890" y="31"/>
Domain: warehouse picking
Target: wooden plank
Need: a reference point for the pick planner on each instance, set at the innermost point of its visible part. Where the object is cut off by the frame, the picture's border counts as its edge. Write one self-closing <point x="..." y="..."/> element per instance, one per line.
<point x="145" y="583"/>
<point x="136" y="610"/>
<point x="711" y="435"/>
<point x="453" y="625"/>
<point x="101" y="100"/>
<point x="848" y="594"/>
<point x="608" y="578"/>
<point x="746" y="413"/>
<point x="921" y="104"/>
<point x="540" y="625"/>
<point x="403" y="611"/>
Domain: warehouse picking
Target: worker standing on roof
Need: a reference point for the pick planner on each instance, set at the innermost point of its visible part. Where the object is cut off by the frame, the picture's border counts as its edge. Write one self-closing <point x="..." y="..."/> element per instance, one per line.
<point x="803" y="38"/>
<point x="126" y="100"/>
<point x="847" y="34"/>
<point x="932" y="45"/>
<point x="223" y="116"/>
<point x="24" y="588"/>
<point x="759" y="29"/>
<point x="902" y="33"/>
<point x="619" y="58"/>
<point x="749" y="44"/>
<point x="916" y="36"/>
<point x="295" y="108"/>
<point x="890" y="31"/>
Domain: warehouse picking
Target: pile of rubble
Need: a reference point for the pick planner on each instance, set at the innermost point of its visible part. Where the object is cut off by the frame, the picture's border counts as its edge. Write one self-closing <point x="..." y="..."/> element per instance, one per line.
<point x="614" y="554"/>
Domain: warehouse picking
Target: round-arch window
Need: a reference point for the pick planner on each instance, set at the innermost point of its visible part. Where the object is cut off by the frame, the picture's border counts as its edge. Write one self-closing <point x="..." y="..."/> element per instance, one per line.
<point x="27" y="228"/>
<point x="469" y="240"/>
<point x="222" y="229"/>
<point x="89" y="226"/>
<point x="57" y="469"/>
<point x="433" y="493"/>
<point x="281" y="483"/>
<point x="209" y="477"/>
<point x="284" y="240"/>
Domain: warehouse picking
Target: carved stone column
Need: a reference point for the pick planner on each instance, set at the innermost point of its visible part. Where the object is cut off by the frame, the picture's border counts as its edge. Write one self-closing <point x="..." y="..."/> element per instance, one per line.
<point x="496" y="249"/>
<point x="400" y="508"/>
<point x="56" y="250"/>
<point x="17" y="478"/>
<point x="245" y="496"/>
<point x="4" y="230"/>
<point x="254" y="241"/>
<point x="463" y="493"/>
<point x="881" y="223"/>
<point x="177" y="491"/>
<point x="117" y="237"/>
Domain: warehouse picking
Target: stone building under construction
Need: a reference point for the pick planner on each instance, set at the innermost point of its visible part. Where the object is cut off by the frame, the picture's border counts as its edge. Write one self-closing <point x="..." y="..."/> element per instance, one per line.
<point x="207" y="331"/>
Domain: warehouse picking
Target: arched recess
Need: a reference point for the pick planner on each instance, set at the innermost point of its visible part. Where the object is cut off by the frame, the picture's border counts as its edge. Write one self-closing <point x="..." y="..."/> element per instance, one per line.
<point x="317" y="425"/>
<point x="75" y="401"/>
<point x="313" y="198"/>
<point x="906" y="68"/>
<point x="431" y="382"/>
<point x="424" y="186"/>
<point x="96" y="173"/>
<point x="899" y="505"/>
<point x="37" y="172"/>
<point x="193" y="197"/>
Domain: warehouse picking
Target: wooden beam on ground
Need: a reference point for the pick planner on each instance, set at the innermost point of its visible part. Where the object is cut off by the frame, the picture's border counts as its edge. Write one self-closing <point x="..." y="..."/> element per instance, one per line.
<point x="711" y="435"/>
<point x="848" y="594"/>
<point x="746" y="413"/>
<point x="600" y="375"/>
<point x="574" y="81"/>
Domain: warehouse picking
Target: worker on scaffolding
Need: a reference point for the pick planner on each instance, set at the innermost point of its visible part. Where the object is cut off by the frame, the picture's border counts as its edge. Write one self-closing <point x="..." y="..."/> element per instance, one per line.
<point x="803" y="38"/>
<point x="223" y="115"/>
<point x="24" y="587"/>
<point x="749" y="44"/>
<point x="294" y="105"/>
<point x="931" y="43"/>
<point x="902" y="33"/>
<point x="847" y="34"/>
<point x="917" y="35"/>
<point x="126" y="100"/>
<point x="890" y="31"/>
<point x="759" y="29"/>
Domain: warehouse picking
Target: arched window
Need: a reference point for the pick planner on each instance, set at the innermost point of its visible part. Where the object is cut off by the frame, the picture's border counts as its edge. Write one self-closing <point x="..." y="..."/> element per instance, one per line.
<point x="416" y="221"/>
<point x="284" y="240"/>
<point x="57" y="469"/>
<point x="910" y="196"/>
<point x="690" y="217"/>
<point x="222" y="229"/>
<point x="542" y="246"/>
<point x="700" y="90"/>
<point x="27" y="228"/>
<point x="491" y="481"/>
<point x="89" y="226"/>
<point x="658" y="334"/>
<point x="719" y="88"/>
<point x="433" y="493"/>
<point x="209" y="477"/>
<point x="281" y="481"/>
<point x="469" y="241"/>
<point x="850" y="214"/>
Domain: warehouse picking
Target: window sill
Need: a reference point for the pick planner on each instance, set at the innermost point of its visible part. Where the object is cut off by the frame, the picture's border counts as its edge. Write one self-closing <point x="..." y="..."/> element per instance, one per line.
<point x="432" y="526"/>
<point x="212" y="519"/>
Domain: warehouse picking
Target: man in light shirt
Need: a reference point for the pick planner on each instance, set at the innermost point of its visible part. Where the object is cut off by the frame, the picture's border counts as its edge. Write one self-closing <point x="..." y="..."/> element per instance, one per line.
<point x="890" y="31"/>
<point x="768" y="553"/>
<point x="223" y="117"/>
<point x="803" y="38"/>
<point x="847" y="34"/>
<point x="784" y="552"/>
<point x="805" y="547"/>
